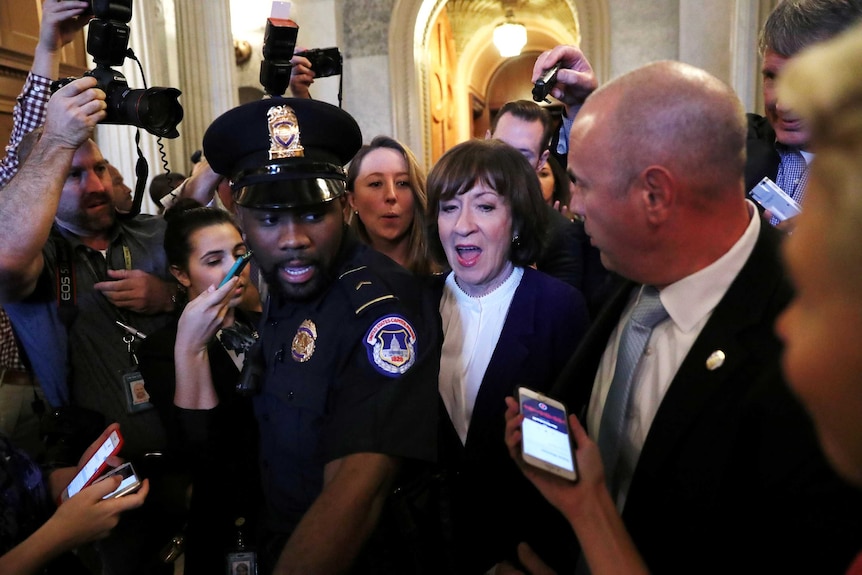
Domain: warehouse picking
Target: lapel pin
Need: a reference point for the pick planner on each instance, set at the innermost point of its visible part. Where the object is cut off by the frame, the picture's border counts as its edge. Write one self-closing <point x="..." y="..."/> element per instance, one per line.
<point x="715" y="360"/>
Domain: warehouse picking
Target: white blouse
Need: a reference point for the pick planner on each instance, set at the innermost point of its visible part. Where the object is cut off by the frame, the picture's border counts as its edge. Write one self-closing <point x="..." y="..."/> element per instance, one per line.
<point x="471" y="329"/>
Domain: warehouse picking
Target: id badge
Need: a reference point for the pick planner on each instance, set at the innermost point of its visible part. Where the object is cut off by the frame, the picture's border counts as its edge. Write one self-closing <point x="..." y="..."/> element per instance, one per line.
<point x="137" y="398"/>
<point x="241" y="563"/>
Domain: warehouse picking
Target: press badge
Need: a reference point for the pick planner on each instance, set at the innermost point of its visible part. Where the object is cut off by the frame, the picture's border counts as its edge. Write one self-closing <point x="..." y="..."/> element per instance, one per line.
<point x="137" y="398"/>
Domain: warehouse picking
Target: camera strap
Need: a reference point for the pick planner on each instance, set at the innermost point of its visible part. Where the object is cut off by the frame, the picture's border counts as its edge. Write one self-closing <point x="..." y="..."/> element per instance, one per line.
<point x="142" y="172"/>
<point x="67" y="286"/>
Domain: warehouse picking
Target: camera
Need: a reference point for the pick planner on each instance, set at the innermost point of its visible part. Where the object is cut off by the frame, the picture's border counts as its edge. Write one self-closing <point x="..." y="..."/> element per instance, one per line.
<point x="279" y="41"/>
<point x="324" y="61"/>
<point x="156" y="110"/>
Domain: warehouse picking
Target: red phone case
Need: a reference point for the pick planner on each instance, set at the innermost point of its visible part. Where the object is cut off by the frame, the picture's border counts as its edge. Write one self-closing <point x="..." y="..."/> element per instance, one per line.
<point x="95" y="475"/>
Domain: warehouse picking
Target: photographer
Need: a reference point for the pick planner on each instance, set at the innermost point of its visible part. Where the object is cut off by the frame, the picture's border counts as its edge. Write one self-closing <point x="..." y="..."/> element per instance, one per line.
<point x="59" y="228"/>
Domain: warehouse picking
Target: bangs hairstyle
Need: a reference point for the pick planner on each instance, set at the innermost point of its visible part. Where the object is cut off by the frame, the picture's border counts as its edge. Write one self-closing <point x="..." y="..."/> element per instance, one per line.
<point x="502" y="168"/>
<point x="184" y="218"/>
<point x="419" y="261"/>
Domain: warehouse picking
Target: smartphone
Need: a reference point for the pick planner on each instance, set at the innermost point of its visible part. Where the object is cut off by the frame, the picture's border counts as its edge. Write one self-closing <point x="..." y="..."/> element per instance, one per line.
<point x="545" y="439"/>
<point x="131" y="482"/>
<point x="237" y="267"/>
<point x="773" y="198"/>
<point x="94" y="466"/>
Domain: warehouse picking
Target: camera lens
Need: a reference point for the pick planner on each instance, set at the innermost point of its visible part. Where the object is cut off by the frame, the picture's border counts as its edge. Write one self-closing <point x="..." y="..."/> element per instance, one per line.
<point x="155" y="109"/>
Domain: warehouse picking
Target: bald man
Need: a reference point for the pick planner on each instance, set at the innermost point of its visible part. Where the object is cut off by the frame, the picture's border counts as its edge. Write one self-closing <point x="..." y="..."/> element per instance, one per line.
<point x="711" y="463"/>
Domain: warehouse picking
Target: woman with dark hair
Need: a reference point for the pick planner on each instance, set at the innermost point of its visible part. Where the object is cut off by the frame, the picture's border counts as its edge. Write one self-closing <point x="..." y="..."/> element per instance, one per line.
<point x="555" y="184"/>
<point x="191" y="369"/>
<point x="386" y="191"/>
<point x="504" y="324"/>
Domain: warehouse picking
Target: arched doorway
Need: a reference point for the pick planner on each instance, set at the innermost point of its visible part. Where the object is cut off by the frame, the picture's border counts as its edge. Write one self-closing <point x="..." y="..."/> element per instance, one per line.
<point x="475" y="60"/>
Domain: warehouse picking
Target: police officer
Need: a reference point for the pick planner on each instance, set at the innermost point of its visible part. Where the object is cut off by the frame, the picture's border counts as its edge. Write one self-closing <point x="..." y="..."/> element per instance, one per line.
<point x="350" y="347"/>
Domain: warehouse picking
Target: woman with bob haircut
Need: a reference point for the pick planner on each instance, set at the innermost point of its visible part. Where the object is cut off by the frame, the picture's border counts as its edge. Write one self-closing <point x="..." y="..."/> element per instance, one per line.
<point x="504" y="324"/>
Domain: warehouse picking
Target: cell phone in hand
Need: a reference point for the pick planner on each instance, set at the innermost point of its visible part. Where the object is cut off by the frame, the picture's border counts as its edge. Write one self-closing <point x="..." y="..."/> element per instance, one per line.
<point x="236" y="268"/>
<point x="130" y="480"/>
<point x="545" y="438"/>
<point x="94" y="466"/>
<point x="773" y="198"/>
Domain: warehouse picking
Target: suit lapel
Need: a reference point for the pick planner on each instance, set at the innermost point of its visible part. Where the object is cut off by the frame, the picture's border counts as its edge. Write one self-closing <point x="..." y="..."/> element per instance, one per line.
<point x="575" y="384"/>
<point x="732" y="329"/>
<point x="510" y="354"/>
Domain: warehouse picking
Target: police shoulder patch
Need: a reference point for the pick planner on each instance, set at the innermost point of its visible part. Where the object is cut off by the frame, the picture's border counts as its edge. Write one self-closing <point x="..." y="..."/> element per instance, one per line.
<point x="391" y="345"/>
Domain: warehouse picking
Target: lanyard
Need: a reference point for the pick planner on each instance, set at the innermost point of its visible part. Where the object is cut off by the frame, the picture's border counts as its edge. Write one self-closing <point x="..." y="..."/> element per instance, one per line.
<point x="67" y="288"/>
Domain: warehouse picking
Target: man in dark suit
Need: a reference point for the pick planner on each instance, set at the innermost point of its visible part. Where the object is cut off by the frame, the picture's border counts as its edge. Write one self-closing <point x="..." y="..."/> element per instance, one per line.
<point x="717" y="468"/>
<point x="777" y="143"/>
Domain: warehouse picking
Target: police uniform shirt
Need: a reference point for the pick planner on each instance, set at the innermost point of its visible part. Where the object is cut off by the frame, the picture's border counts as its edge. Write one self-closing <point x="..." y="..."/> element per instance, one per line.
<point x="351" y="371"/>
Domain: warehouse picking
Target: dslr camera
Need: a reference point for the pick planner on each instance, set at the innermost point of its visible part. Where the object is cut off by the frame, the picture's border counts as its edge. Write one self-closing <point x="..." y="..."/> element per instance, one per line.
<point x="324" y="61"/>
<point x="156" y="110"/>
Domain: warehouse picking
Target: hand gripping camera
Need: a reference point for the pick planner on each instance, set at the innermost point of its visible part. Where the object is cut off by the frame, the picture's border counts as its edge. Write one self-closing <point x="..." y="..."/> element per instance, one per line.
<point x="156" y="110"/>
<point x="324" y="61"/>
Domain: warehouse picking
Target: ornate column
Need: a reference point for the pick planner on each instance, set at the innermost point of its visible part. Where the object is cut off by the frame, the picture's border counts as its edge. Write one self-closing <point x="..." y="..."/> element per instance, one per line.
<point x="207" y="67"/>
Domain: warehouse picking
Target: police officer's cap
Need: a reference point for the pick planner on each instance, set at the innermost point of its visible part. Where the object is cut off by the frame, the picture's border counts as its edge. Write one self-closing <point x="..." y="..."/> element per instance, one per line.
<point x="283" y="153"/>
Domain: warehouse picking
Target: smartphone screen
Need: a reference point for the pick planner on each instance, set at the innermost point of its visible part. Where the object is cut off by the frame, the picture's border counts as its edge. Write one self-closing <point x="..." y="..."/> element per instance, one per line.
<point x="94" y="465"/>
<point x="545" y="434"/>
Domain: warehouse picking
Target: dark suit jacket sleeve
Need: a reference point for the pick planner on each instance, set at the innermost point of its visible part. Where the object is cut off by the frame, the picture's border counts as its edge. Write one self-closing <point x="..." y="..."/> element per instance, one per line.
<point x="190" y="431"/>
<point x="761" y="157"/>
<point x="563" y="254"/>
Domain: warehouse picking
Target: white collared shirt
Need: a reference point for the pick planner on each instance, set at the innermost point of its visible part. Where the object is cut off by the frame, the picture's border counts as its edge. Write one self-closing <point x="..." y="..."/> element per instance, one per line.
<point x="689" y="303"/>
<point x="471" y="329"/>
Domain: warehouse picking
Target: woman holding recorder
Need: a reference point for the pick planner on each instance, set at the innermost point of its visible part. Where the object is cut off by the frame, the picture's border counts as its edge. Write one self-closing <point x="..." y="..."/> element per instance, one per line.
<point x="191" y="369"/>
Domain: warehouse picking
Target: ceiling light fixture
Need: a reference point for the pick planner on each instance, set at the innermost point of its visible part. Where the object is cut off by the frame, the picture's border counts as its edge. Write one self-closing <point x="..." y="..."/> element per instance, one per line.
<point x="510" y="37"/>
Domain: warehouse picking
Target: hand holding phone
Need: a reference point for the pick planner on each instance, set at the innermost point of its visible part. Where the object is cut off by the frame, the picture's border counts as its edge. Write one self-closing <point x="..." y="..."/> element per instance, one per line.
<point x="773" y="198"/>
<point x="545" y="438"/>
<point x="236" y="268"/>
<point x="94" y="466"/>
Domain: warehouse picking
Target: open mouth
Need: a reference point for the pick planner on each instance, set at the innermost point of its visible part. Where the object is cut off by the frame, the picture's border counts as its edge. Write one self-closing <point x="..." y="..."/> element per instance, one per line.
<point x="468" y="255"/>
<point x="297" y="274"/>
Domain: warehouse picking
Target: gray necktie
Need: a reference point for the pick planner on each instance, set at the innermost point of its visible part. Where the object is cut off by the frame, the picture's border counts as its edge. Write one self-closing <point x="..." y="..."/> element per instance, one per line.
<point x="648" y="313"/>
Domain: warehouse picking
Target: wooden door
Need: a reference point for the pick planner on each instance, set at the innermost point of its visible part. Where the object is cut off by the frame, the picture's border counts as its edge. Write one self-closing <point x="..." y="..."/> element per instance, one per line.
<point x="442" y="60"/>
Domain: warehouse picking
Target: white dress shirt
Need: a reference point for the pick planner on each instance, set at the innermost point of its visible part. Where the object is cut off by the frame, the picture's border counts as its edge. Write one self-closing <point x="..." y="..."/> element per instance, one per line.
<point x="689" y="303"/>
<point x="471" y="329"/>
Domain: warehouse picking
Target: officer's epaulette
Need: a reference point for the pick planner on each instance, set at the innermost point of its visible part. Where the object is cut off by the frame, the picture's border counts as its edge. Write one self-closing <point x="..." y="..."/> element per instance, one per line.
<point x="365" y="288"/>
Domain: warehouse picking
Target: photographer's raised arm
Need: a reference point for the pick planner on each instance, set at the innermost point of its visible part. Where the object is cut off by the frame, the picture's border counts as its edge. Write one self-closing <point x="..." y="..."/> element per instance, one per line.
<point x="29" y="201"/>
<point x="61" y="21"/>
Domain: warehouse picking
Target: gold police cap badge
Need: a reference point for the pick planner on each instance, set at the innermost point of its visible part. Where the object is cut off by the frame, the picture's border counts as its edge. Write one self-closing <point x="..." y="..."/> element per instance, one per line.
<point x="303" y="342"/>
<point x="284" y="141"/>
